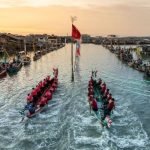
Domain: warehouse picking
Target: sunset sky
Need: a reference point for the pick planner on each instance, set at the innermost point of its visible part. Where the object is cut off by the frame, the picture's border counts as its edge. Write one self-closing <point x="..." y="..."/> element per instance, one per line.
<point x="95" y="17"/>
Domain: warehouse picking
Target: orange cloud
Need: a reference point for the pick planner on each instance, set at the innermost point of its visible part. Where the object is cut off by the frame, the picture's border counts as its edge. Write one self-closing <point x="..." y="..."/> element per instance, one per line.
<point x="119" y="19"/>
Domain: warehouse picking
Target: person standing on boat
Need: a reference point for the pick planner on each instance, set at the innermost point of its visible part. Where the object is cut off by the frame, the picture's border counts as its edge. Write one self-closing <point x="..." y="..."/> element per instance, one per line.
<point x="92" y="73"/>
<point x="96" y="73"/>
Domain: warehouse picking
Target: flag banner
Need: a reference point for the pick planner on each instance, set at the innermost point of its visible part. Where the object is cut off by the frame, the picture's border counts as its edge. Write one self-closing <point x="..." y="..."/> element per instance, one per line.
<point x="77" y="49"/>
<point x="75" y="33"/>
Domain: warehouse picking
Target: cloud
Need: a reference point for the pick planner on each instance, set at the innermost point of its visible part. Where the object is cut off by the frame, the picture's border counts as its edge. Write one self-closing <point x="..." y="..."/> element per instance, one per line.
<point x="77" y="3"/>
<point x="120" y="20"/>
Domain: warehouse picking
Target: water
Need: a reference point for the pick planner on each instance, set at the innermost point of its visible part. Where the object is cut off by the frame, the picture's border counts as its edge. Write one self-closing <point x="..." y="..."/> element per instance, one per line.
<point x="67" y="123"/>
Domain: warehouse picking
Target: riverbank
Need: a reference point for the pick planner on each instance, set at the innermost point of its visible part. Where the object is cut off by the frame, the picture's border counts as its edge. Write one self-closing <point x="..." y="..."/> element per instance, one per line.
<point x="16" y="43"/>
<point x="126" y="55"/>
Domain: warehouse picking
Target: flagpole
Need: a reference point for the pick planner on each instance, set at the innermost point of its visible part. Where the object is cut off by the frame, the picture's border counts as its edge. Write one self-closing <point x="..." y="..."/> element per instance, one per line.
<point x="72" y="60"/>
<point x="72" y="78"/>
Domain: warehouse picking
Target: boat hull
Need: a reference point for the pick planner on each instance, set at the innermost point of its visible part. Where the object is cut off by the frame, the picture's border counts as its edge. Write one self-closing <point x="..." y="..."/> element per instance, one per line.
<point x="14" y="69"/>
<point x="36" y="57"/>
<point x="3" y="74"/>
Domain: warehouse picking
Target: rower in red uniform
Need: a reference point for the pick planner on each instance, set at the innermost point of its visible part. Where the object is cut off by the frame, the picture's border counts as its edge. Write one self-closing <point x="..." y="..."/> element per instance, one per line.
<point x="105" y="94"/>
<point x="100" y="82"/>
<point x="34" y="94"/>
<point x="103" y="88"/>
<point x="90" y="98"/>
<point x="90" y="92"/>
<point x="111" y="104"/>
<point x="90" y="87"/>
<point x="48" y="95"/>
<point x="91" y="81"/>
<point x="94" y="105"/>
<point x="109" y="96"/>
<point x="29" y="98"/>
<point x="52" y="89"/>
<point x="54" y="86"/>
<point x="43" y="101"/>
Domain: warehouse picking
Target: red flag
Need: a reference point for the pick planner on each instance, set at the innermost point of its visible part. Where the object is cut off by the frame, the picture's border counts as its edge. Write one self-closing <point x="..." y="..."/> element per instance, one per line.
<point x="75" y="33"/>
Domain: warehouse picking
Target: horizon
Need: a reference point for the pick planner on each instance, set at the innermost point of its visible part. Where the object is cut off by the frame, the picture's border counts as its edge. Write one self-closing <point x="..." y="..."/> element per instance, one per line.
<point x="96" y="18"/>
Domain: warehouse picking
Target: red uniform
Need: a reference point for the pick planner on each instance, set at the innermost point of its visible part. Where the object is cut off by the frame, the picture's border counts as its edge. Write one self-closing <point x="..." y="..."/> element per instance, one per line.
<point x="109" y="97"/>
<point x="48" y="95"/>
<point x="43" y="101"/>
<point x="106" y="92"/>
<point x="111" y="105"/>
<point x="94" y="105"/>
<point x="52" y="89"/>
<point x="29" y="98"/>
<point x="34" y="92"/>
<point x="103" y="88"/>
<point x="54" y="85"/>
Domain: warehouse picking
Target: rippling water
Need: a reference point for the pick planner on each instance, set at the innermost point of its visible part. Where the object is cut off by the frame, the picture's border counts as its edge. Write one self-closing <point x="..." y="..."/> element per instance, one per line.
<point x="67" y="123"/>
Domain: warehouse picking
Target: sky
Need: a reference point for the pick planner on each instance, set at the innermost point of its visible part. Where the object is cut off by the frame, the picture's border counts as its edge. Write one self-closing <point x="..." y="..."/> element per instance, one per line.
<point x="94" y="17"/>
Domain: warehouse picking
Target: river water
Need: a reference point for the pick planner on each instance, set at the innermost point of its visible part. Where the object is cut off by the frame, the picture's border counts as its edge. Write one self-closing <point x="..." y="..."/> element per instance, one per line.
<point x="67" y="123"/>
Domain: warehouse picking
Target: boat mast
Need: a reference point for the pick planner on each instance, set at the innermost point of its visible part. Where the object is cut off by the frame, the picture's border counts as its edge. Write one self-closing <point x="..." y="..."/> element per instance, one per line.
<point x="25" y="49"/>
<point x="5" y="54"/>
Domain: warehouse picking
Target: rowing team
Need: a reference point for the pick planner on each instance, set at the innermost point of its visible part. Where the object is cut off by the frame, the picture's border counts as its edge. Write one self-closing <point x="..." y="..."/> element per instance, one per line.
<point x="41" y="94"/>
<point x="106" y="96"/>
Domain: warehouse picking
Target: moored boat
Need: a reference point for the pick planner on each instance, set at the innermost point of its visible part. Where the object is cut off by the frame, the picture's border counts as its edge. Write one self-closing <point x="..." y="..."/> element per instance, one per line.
<point x="3" y="73"/>
<point x="24" y="59"/>
<point x="37" y="55"/>
<point x="14" y="67"/>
